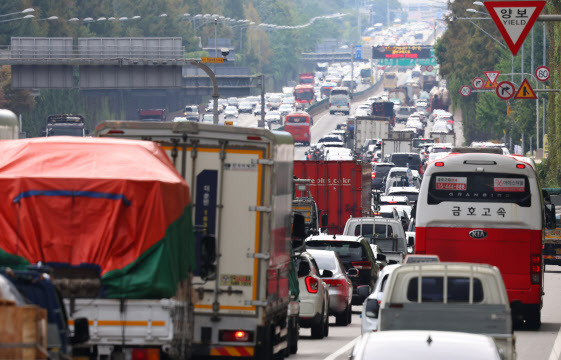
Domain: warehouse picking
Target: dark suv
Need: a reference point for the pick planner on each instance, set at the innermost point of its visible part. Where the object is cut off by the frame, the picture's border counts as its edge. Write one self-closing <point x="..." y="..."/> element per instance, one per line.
<point x="379" y="173"/>
<point x="411" y="160"/>
<point x="355" y="253"/>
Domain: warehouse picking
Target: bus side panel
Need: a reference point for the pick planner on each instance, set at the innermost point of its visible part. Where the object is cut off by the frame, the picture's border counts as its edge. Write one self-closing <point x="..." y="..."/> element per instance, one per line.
<point x="507" y="249"/>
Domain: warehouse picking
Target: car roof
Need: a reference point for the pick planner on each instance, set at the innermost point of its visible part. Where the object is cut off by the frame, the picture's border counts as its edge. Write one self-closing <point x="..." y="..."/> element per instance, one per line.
<point x="376" y="219"/>
<point x="408" y="189"/>
<point x="327" y="237"/>
<point x="436" y="345"/>
<point x="393" y="197"/>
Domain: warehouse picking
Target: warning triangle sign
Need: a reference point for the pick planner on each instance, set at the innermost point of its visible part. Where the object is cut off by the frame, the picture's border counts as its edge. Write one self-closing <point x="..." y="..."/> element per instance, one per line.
<point x="490" y="85"/>
<point x="525" y="91"/>
<point x="514" y="19"/>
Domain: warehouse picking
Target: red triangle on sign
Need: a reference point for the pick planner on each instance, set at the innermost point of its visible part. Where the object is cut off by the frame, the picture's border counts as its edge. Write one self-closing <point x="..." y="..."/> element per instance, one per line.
<point x="492" y="75"/>
<point x="490" y="85"/>
<point x="514" y="19"/>
<point x="525" y="91"/>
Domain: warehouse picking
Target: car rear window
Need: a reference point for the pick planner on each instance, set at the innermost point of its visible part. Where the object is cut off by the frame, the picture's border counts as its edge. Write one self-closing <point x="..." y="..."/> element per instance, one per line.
<point x="325" y="261"/>
<point x="404" y="159"/>
<point x="381" y="230"/>
<point x="382" y="169"/>
<point x="432" y="289"/>
<point x="348" y="251"/>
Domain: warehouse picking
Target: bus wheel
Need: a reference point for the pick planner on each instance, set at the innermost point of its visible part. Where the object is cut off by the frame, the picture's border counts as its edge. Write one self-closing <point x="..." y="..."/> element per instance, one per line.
<point x="533" y="318"/>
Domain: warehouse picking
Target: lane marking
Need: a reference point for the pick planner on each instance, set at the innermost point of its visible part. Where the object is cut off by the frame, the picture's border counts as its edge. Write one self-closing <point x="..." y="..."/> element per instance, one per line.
<point x="342" y="350"/>
<point x="556" y="350"/>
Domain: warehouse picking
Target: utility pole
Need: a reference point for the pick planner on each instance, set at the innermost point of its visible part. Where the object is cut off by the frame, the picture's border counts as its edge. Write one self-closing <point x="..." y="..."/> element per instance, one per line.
<point x="262" y="121"/>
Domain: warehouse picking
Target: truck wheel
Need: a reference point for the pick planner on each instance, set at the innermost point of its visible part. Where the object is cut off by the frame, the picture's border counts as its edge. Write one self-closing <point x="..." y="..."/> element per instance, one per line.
<point x="350" y="315"/>
<point x="318" y="329"/>
<point x="533" y="318"/>
<point x="293" y="335"/>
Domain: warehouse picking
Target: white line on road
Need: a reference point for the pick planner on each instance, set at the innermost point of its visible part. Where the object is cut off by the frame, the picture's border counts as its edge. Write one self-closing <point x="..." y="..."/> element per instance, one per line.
<point x="342" y="350"/>
<point x="556" y="351"/>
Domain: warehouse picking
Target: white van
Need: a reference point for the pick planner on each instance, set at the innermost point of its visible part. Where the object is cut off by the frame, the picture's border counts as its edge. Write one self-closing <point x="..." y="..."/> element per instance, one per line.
<point x="340" y="100"/>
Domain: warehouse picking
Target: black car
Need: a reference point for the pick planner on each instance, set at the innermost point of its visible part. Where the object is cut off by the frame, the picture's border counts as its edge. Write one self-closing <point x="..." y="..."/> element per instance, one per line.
<point x="355" y="253"/>
<point x="412" y="160"/>
<point x="379" y="173"/>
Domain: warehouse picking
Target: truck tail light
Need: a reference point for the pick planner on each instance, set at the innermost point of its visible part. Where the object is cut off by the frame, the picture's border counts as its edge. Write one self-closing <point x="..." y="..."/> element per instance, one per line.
<point x="535" y="269"/>
<point x="312" y="284"/>
<point x="373" y="174"/>
<point x="145" y="354"/>
<point x="362" y="265"/>
<point x="235" y="335"/>
<point x="118" y="132"/>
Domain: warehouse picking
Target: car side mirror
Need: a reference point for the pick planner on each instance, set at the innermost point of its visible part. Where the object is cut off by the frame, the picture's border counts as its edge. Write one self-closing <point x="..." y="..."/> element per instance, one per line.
<point x="81" y="331"/>
<point x="372" y="308"/>
<point x="380" y="257"/>
<point x="324" y="220"/>
<point x="208" y="257"/>
<point x="352" y="272"/>
<point x="326" y="273"/>
<point x="550" y="222"/>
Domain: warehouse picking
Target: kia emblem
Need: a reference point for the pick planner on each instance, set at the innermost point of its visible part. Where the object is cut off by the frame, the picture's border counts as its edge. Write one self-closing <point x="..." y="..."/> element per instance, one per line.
<point x="478" y="234"/>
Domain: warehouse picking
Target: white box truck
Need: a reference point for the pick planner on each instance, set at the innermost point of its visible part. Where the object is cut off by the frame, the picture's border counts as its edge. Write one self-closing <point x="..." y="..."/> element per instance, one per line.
<point x="237" y="177"/>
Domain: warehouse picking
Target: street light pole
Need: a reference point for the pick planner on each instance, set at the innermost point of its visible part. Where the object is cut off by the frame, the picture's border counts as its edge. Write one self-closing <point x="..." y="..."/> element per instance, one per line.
<point x="215" y="94"/>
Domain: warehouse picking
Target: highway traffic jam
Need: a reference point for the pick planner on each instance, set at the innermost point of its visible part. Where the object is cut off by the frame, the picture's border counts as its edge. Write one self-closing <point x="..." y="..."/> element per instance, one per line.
<point x="355" y="223"/>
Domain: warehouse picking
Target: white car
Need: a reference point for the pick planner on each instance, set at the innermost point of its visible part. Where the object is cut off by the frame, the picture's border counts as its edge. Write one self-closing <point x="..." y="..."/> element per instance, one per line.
<point x="285" y="109"/>
<point x="371" y="305"/>
<point x="231" y="111"/>
<point x="411" y="192"/>
<point x="273" y="117"/>
<point x="314" y="296"/>
<point x="338" y="153"/>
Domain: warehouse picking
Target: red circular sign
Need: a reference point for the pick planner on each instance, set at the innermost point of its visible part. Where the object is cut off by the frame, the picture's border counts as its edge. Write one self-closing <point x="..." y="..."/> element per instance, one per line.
<point x="542" y="73"/>
<point x="465" y="91"/>
<point x="429" y="68"/>
<point x="505" y="90"/>
<point x="478" y="83"/>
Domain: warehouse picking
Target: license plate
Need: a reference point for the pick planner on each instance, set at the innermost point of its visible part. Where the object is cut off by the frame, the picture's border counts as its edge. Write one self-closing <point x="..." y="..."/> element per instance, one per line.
<point x="231" y="123"/>
<point x="558" y="251"/>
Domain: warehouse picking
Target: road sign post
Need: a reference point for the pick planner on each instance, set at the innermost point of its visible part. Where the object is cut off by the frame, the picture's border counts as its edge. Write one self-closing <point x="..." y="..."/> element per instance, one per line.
<point x="514" y="19"/>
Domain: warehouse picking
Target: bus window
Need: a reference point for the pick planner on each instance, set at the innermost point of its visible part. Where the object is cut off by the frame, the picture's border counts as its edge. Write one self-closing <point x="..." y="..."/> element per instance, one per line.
<point x="488" y="187"/>
<point x="297" y="120"/>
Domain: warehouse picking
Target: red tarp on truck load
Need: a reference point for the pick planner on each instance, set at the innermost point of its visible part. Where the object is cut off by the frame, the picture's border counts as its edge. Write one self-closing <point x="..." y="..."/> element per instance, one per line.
<point x="341" y="189"/>
<point x="117" y="204"/>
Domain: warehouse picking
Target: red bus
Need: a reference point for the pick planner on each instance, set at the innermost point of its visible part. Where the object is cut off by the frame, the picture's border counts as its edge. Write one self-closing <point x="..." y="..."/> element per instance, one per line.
<point x="306" y="78"/>
<point x="304" y="94"/>
<point x="298" y="124"/>
<point x="487" y="208"/>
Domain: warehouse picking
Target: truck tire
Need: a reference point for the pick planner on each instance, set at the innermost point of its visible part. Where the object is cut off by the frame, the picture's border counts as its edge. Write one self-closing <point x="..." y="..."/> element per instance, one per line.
<point x="293" y="335"/>
<point x="350" y="314"/>
<point x="533" y="318"/>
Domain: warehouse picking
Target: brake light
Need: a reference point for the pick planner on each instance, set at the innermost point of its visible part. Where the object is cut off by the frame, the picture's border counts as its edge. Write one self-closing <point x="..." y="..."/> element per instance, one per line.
<point x="520" y="166"/>
<point x="348" y="105"/>
<point x="362" y="265"/>
<point x="116" y="132"/>
<point x="145" y="354"/>
<point x="254" y="138"/>
<point x="330" y="105"/>
<point x="336" y="283"/>
<point x="440" y="163"/>
<point x="312" y="284"/>
<point x="373" y="174"/>
<point x="535" y="269"/>
<point x="392" y="202"/>
<point x="235" y="335"/>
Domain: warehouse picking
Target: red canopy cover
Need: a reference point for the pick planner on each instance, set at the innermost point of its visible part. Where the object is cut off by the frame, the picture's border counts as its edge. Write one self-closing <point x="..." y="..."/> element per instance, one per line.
<point x="118" y="204"/>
